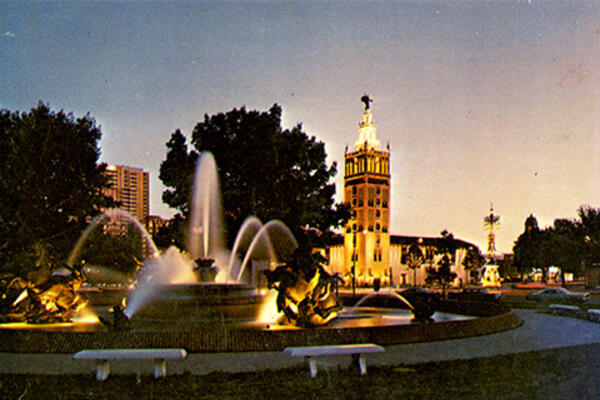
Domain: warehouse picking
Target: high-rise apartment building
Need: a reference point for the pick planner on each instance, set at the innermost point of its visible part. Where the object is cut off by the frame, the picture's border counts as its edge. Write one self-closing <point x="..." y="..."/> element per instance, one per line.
<point x="129" y="187"/>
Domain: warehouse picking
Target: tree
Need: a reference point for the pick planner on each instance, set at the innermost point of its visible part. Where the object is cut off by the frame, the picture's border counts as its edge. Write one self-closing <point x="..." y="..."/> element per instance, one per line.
<point x="443" y="275"/>
<point x="120" y="250"/>
<point x="589" y="232"/>
<point x="563" y="247"/>
<point x="177" y="172"/>
<point x="472" y="262"/>
<point x="414" y="260"/>
<point x="264" y="171"/>
<point x="50" y="182"/>
<point x="528" y="248"/>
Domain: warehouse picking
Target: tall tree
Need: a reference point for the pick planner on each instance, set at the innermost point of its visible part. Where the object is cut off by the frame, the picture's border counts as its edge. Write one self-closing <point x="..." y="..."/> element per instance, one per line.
<point x="50" y="182"/>
<point x="177" y="174"/>
<point x="264" y="170"/>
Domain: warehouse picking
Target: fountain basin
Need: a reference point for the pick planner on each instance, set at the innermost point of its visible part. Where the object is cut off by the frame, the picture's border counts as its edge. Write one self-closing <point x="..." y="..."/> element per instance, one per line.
<point x="382" y="326"/>
<point x="198" y="305"/>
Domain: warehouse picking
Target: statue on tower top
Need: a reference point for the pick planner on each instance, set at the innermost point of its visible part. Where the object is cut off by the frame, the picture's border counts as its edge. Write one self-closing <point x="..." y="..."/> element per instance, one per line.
<point x="367" y="100"/>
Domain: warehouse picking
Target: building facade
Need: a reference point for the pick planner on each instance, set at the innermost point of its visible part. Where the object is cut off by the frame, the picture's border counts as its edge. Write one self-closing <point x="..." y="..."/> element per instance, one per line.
<point x="155" y="223"/>
<point x="367" y="252"/>
<point x="130" y="189"/>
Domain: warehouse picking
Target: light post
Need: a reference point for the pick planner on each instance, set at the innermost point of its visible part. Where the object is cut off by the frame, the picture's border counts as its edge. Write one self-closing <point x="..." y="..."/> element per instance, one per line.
<point x="353" y="270"/>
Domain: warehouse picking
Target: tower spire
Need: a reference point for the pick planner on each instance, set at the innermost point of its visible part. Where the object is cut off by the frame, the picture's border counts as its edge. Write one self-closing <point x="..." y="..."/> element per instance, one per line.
<point x="366" y="128"/>
<point x="491" y="223"/>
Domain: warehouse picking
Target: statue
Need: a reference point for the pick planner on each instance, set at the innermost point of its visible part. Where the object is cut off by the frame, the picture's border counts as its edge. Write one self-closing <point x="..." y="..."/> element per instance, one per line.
<point x="305" y="289"/>
<point x="367" y="100"/>
<point x="205" y="270"/>
<point x="120" y="321"/>
<point x="53" y="300"/>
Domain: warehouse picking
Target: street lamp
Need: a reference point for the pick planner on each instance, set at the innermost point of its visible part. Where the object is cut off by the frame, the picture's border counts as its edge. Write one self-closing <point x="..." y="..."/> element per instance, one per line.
<point x="353" y="270"/>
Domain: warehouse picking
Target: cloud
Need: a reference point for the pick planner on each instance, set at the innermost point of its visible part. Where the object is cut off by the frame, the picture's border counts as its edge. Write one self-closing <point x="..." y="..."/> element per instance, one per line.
<point x="9" y="34"/>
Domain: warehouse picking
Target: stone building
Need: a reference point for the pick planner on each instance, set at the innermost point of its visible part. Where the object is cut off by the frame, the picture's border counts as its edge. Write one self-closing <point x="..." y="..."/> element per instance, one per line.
<point x="366" y="251"/>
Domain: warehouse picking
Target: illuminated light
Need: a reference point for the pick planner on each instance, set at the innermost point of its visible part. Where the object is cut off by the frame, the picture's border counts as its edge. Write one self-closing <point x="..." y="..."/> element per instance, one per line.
<point x="268" y="311"/>
<point x="22" y="296"/>
<point x="400" y="317"/>
<point x="111" y="168"/>
<point x="86" y="316"/>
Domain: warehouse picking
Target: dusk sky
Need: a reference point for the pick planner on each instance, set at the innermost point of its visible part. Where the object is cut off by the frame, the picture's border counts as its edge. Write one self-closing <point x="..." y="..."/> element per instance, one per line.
<point x="481" y="102"/>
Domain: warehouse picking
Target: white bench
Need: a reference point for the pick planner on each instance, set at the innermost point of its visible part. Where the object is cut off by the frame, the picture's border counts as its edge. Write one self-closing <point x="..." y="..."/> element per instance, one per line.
<point x="310" y="352"/>
<point x="562" y="309"/>
<point x="102" y="357"/>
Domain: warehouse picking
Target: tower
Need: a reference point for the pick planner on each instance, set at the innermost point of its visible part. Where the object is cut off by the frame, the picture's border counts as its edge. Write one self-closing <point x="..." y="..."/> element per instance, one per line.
<point x="491" y="223"/>
<point x="367" y="193"/>
<point x="129" y="187"/>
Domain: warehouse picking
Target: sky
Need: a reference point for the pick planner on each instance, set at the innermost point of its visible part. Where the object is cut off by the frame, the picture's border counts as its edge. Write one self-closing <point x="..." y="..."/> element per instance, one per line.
<point x="481" y="102"/>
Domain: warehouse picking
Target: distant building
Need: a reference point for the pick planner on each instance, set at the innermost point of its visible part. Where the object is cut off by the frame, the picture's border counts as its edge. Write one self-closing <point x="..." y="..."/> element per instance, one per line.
<point x="366" y="249"/>
<point x="130" y="189"/>
<point x="154" y="223"/>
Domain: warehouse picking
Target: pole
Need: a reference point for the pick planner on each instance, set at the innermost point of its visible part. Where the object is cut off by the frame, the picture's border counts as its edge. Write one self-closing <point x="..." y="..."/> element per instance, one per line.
<point x="354" y="265"/>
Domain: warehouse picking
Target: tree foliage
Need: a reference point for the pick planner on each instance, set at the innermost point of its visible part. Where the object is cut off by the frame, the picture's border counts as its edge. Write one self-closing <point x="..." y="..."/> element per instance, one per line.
<point x="443" y="274"/>
<point x="50" y="182"/>
<point x="414" y="260"/>
<point x="264" y="170"/>
<point x="589" y="233"/>
<point x="528" y="248"/>
<point x="567" y="244"/>
<point x="121" y="250"/>
<point x="472" y="262"/>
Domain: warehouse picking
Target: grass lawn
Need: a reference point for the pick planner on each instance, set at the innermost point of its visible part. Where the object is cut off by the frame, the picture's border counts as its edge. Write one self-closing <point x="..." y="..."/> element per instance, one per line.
<point x="550" y="374"/>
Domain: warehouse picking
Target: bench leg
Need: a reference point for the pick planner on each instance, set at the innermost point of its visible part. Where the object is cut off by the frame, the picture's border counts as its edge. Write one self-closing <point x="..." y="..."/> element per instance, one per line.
<point x="312" y="364"/>
<point x="160" y="368"/>
<point x="362" y="363"/>
<point x="102" y="370"/>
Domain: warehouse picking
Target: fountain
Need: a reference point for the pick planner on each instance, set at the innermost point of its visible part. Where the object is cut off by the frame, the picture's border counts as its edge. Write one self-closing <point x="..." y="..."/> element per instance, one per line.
<point x="208" y="283"/>
<point x="214" y="296"/>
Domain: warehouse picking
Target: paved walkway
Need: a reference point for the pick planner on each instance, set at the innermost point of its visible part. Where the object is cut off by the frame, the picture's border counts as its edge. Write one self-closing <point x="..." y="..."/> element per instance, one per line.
<point x="540" y="331"/>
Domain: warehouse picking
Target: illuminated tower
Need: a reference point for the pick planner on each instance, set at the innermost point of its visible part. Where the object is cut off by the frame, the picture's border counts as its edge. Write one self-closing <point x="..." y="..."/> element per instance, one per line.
<point x="367" y="192"/>
<point x="491" y="223"/>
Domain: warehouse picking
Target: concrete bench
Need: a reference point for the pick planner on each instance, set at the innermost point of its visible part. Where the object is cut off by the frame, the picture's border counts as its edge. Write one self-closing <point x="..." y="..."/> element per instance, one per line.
<point x="102" y="357"/>
<point x="561" y="309"/>
<point x="311" y="352"/>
